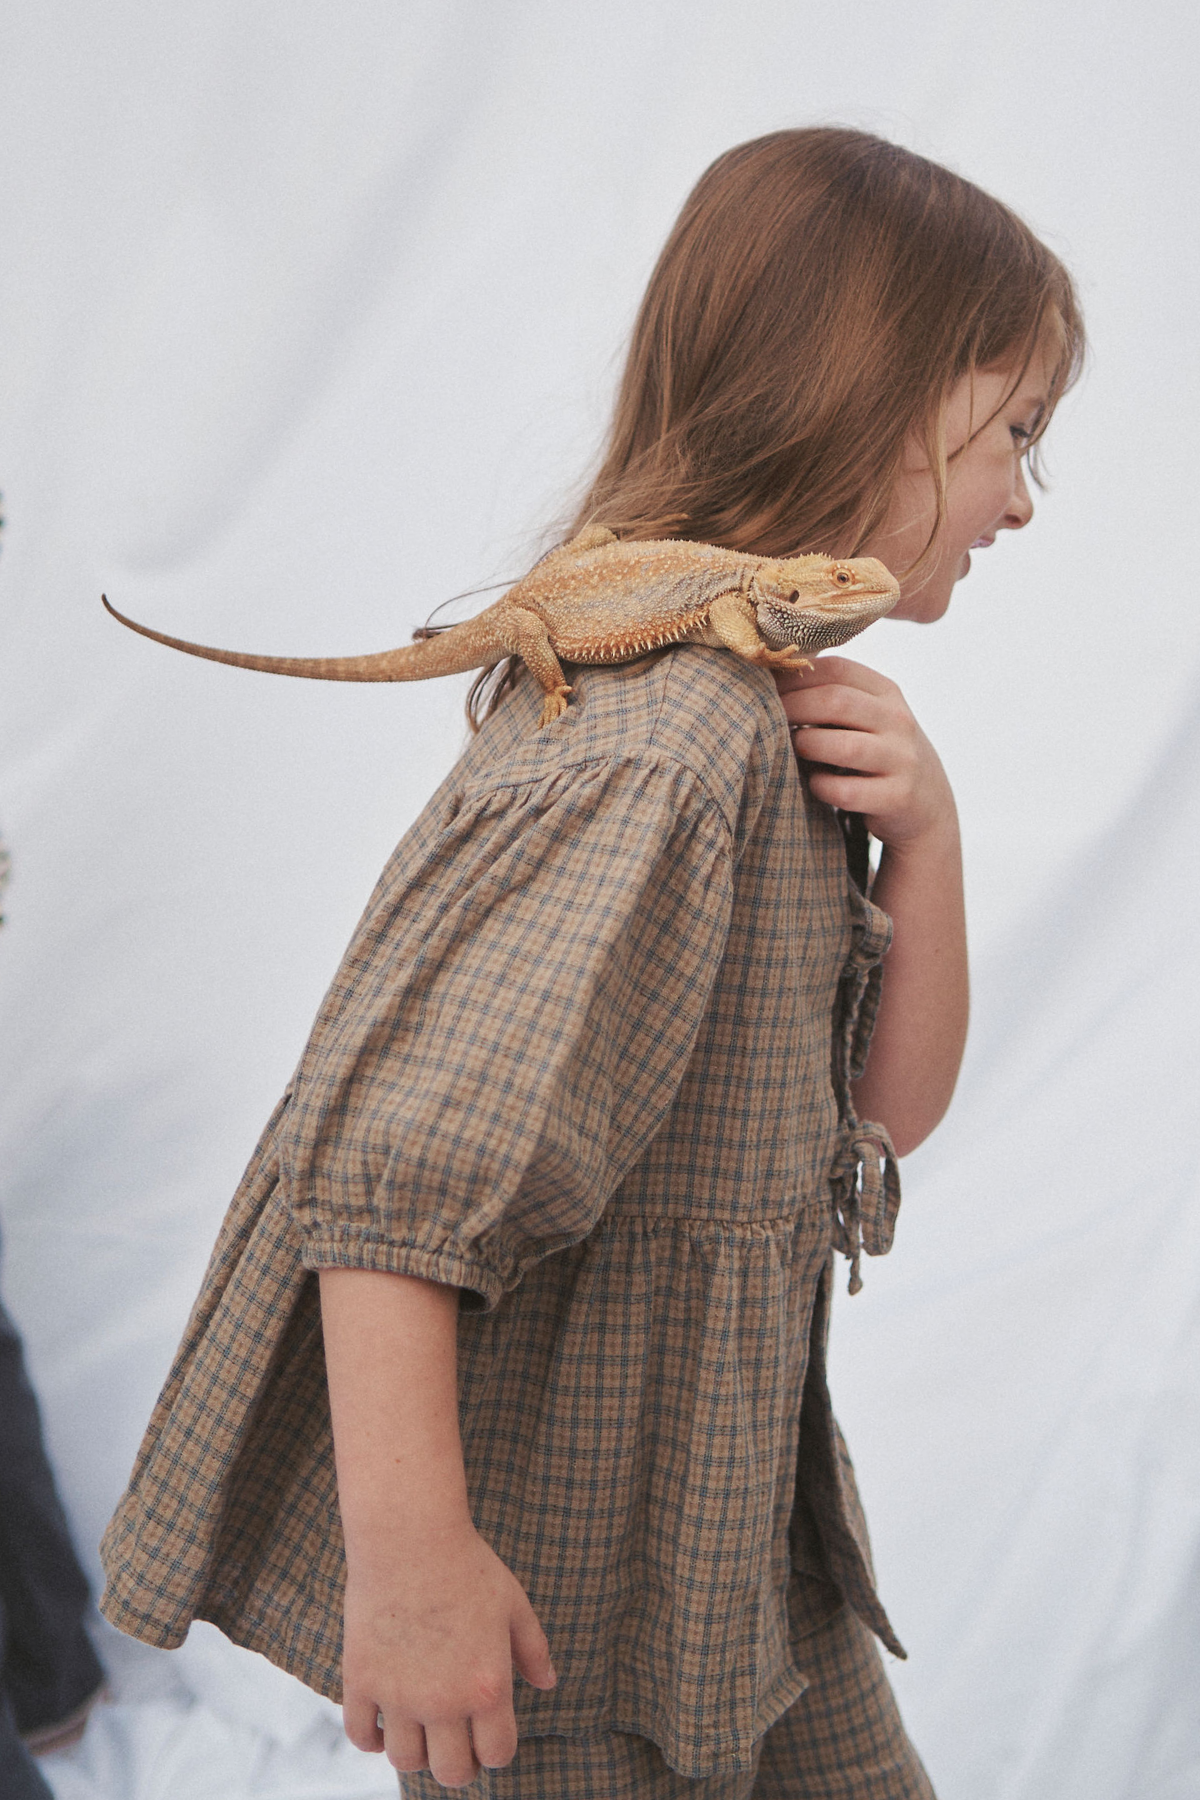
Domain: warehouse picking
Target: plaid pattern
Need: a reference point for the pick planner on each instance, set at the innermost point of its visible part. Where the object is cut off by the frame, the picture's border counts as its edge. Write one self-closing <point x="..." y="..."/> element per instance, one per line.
<point x="576" y="1062"/>
<point x="843" y="1739"/>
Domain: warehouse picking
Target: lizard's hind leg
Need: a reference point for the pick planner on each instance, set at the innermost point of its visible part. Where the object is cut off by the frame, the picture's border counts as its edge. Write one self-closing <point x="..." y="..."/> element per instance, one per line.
<point x="526" y="636"/>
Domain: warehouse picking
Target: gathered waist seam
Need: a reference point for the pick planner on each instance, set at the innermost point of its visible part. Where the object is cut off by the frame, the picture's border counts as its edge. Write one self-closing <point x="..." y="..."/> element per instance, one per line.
<point x="807" y="1211"/>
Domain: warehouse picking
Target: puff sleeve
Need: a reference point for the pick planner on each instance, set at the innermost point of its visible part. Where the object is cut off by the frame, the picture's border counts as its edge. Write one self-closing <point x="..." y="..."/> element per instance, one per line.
<point x="510" y="1025"/>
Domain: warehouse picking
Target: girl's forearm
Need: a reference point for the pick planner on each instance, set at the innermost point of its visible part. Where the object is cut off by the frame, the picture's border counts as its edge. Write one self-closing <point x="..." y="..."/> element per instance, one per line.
<point x="390" y="1355"/>
<point x="434" y="1621"/>
<point x="922" y="1025"/>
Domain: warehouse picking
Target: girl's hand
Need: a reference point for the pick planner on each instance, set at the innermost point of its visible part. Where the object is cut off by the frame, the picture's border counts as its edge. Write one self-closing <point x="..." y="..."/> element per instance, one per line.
<point x="865" y="751"/>
<point x="433" y="1632"/>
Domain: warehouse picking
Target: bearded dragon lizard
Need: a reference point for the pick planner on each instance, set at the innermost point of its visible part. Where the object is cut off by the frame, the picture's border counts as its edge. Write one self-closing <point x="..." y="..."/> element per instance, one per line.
<point x="600" y="599"/>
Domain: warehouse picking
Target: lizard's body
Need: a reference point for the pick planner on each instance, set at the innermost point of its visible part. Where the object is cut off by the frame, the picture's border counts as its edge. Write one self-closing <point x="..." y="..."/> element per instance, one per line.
<point x="600" y="600"/>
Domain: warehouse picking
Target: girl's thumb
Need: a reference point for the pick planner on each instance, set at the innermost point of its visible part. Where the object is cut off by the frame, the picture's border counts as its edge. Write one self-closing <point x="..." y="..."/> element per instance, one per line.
<point x="530" y="1651"/>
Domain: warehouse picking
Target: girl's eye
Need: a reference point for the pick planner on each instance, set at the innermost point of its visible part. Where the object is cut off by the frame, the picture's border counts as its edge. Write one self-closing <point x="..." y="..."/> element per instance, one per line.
<point x="1021" y="434"/>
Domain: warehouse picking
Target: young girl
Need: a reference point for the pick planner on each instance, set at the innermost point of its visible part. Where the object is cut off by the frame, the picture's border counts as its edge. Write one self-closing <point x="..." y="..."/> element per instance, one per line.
<point x="578" y="1125"/>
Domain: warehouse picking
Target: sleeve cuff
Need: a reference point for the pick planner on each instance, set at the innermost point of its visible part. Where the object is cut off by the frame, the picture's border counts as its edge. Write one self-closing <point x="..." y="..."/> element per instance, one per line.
<point x="351" y="1248"/>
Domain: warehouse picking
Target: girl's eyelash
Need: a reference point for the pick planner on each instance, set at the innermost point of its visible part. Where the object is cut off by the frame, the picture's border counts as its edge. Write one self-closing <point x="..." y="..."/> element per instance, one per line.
<point x="1027" y="433"/>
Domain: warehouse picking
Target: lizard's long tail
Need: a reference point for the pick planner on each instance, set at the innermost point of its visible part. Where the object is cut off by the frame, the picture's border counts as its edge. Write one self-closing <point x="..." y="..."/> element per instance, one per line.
<point x="445" y="654"/>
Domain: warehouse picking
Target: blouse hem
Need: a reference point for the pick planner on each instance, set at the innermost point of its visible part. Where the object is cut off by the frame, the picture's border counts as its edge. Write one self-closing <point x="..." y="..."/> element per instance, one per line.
<point x="724" y="1753"/>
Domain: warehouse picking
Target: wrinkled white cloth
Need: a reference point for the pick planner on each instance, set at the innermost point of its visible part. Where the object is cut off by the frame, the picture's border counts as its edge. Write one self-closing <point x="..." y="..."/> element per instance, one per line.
<point x="213" y="1724"/>
<point x="309" y="316"/>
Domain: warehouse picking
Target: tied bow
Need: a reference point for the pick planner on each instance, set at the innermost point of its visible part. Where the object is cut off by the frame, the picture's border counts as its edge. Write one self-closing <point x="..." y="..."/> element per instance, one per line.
<point x="866" y="1196"/>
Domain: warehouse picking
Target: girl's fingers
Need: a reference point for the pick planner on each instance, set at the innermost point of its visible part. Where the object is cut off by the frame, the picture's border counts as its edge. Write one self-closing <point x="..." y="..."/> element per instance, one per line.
<point x="838" y="706"/>
<point x="530" y="1651"/>
<point x="852" y="793"/>
<point x="494" y="1736"/>
<point x="406" y="1747"/>
<point x="360" y="1718"/>
<point x="451" y="1758"/>
<point x="842" y="749"/>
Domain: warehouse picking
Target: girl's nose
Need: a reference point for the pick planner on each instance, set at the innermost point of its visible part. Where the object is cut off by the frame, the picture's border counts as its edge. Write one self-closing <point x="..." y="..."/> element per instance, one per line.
<point x="1019" y="510"/>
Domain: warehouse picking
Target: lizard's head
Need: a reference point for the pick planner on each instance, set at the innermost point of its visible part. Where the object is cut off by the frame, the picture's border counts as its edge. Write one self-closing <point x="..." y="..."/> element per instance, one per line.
<point x="819" y="601"/>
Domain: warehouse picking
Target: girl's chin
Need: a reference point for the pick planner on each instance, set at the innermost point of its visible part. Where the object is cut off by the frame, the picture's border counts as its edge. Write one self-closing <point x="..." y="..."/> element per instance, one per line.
<point x="925" y="607"/>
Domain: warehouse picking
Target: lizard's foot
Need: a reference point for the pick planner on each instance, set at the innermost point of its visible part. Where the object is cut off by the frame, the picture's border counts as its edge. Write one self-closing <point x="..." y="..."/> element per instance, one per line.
<point x="790" y="658"/>
<point x="554" y="705"/>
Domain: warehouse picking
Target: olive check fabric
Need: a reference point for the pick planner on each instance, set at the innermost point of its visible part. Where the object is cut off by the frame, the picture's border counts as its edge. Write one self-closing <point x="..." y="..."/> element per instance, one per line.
<point x="587" y="1058"/>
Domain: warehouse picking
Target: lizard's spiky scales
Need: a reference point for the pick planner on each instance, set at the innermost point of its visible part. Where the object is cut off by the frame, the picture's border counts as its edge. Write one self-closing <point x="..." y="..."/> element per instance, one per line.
<point x="620" y="646"/>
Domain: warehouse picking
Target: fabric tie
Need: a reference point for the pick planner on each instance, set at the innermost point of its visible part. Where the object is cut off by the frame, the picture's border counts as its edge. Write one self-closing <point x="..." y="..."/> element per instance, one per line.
<point x="866" y="1197"/>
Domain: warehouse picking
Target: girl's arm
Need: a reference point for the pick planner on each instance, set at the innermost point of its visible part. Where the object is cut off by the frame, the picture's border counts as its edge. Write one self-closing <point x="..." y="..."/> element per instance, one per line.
<point x="849" y="718"/>
<point x="434" y="1621"/>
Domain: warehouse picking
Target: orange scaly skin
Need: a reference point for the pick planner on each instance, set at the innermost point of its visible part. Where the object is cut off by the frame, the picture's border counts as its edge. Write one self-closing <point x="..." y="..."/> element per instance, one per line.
<point x="601" y="600"/>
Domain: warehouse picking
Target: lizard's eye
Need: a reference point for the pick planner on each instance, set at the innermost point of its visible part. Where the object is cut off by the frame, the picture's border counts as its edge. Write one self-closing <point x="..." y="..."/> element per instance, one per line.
<point x="843" y="577"/>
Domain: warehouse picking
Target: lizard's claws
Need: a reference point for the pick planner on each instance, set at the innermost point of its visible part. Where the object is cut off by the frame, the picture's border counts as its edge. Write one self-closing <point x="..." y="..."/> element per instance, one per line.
<point x="553" y="706"/>
<point x="792" y="657"/>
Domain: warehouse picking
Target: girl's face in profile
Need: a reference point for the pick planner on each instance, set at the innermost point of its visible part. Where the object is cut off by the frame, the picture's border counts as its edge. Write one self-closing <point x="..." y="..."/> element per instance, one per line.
<point x="988" y="430"/>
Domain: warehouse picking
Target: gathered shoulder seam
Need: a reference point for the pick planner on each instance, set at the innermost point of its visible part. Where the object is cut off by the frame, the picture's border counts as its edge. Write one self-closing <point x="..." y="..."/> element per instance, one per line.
<point x="652" y="756"/>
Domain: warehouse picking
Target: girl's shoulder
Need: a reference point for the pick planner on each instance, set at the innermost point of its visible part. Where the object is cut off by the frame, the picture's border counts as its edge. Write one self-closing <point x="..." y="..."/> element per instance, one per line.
<point x="705" y="710"/>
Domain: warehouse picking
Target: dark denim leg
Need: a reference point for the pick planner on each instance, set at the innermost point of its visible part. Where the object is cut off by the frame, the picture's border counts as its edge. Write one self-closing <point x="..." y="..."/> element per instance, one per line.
<point x="49" y="1667"/>
<point x="20" y="1777"/>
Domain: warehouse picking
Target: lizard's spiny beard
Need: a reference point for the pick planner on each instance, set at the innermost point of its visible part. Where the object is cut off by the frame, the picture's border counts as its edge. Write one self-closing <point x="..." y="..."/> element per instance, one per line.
<point x="810" y="631"/>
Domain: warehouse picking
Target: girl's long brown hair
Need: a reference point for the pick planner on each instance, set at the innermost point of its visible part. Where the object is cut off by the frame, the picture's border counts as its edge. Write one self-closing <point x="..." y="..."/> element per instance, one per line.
<point x="820" y="294"/>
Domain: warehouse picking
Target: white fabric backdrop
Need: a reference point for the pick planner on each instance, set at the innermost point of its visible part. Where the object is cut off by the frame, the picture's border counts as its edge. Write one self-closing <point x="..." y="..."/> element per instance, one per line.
<point x="309" y="315"/>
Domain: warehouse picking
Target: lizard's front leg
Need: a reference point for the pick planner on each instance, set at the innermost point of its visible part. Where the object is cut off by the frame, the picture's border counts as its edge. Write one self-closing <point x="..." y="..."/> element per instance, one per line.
<point x="526" y="636"/>
<point x="733" y="623"/>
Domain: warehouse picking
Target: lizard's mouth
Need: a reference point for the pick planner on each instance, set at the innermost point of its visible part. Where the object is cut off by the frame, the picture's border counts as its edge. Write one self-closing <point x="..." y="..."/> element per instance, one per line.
<point x="874" y="603"/>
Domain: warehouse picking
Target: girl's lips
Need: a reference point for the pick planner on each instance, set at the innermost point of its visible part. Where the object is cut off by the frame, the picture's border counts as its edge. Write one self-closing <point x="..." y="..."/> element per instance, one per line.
<point x="983" y="543"/>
